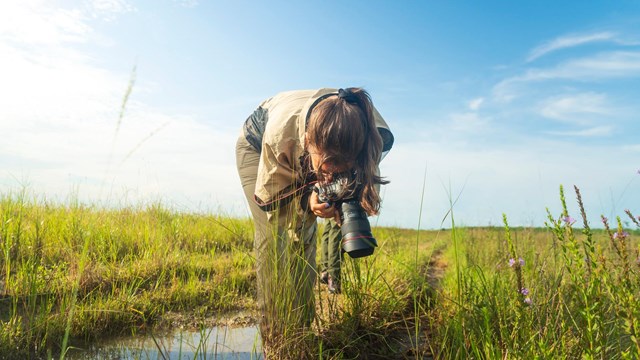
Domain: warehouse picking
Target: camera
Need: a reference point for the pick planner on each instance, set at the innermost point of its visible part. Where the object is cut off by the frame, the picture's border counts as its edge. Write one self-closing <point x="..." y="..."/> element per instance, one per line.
<point x="357" y="240"/>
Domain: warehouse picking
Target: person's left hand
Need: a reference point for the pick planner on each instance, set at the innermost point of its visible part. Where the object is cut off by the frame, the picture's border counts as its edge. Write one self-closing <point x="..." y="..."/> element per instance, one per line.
<point x="323" y="210"/>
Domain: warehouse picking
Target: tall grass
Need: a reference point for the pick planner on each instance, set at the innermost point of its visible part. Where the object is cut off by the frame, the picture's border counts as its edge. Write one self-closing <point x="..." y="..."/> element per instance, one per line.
<point x="75" y="271"/>
<point x="559" y="292"/>
<point x="383" y="295"/>
<point x="385" y="299"/>
<point x="72" y="271"/>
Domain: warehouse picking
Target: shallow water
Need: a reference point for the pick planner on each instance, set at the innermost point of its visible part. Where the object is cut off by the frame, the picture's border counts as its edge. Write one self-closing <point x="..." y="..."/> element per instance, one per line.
<point x="223" y="342"/>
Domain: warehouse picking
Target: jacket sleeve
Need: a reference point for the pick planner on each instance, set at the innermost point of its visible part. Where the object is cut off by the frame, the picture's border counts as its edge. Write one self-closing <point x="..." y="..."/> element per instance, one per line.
<point x="385" y="133"/>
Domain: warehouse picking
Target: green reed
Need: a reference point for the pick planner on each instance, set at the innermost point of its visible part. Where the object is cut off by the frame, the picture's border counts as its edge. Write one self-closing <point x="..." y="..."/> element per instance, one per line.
<point x="385" y="299"/>
<point x="377" y="307"/>
<point x="76" y="272"/>
<point x="81" y="272"/>
<point x="559" y="292"/>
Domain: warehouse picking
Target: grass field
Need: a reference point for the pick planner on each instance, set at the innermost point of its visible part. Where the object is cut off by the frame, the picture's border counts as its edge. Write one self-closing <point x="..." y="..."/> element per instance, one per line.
<point x="73" y="271"/>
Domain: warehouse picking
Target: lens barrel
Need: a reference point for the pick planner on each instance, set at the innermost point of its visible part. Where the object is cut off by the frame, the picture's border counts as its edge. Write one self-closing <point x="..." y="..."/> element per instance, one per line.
<point x="357" y="240"/>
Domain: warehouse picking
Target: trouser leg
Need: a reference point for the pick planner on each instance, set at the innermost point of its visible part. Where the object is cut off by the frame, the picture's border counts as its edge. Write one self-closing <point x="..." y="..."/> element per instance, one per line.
<point x="285" y="250"/>
<point x="324" y="247"/>
<point x="247" y="160"/>
<point x="334" y="249"/>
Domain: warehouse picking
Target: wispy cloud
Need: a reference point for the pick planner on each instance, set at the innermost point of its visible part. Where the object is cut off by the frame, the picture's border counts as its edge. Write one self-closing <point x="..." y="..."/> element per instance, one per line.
<point x="632" y="148"/>
<point x="60" y="108"/>
<point x="597" y="131"/>
<point x="188" y="3"/>
<point x="576" y="108"/>
<point x="605" y="65"/>
<point x="468" y="121"/>
<point x="32" y="22"/>
<point x="613" y="64"/>
<point x="476" y="103"/>
<point x="109" y="9"/>
<point x="569" y="41"/>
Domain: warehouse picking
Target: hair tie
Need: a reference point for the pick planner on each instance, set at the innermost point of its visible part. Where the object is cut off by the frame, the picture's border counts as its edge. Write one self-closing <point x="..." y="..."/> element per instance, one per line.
<point x="353" y="99"/>
<point x="348" y="96"/>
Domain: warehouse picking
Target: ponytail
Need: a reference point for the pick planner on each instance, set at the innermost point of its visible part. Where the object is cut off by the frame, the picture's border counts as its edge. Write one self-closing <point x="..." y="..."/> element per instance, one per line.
<point x="343" y="128"/>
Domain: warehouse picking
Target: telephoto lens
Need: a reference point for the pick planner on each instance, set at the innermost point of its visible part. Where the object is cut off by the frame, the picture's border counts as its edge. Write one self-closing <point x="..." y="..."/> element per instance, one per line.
<point x="357" y="240"/>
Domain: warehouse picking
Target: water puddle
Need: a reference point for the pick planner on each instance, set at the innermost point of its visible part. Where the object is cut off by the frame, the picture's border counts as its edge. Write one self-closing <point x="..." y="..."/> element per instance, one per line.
<point x="220" y="343"/>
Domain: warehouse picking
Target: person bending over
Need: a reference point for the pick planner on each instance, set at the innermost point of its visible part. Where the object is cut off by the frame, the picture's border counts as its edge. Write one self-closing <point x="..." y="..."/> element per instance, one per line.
<point x="292" y="142"/>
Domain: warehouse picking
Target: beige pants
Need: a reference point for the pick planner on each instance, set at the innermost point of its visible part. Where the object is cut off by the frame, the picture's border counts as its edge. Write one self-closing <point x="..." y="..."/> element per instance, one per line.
<point x="285" y="249"/>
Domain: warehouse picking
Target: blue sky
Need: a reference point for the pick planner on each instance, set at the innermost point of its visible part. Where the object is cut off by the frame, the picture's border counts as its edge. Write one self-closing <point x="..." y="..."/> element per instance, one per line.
<point x="493" y="104"/>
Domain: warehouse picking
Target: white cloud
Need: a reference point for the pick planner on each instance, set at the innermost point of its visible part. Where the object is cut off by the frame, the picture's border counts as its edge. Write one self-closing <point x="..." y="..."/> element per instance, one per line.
<point x="605" y="65"/>
<point x="60" y="111"/>
<point x="111" y="6"/>
<point x="576" y="108"/>
<point x="109" y="10"/>
<point x="188" y="3"/>
<point x="568" y="41"/>
<point x="34" y="22"/>
<point x="475" y="103"/>
<point x="519" y="180"/>
<point x="597" y="131"/>
<point x="632" y="148"/>
<point x="468" y="121"/>
<point x="56" y="86"/>
<point x="157" y="156"/>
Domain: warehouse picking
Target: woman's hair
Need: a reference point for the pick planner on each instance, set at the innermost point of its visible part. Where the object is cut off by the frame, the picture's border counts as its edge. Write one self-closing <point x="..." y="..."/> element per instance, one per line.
<point x="343" y="130"/>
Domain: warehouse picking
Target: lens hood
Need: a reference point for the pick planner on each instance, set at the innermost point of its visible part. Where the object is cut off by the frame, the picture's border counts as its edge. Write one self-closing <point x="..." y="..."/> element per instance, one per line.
<point x="358" y="244"/>
<point x="357" y="240"/>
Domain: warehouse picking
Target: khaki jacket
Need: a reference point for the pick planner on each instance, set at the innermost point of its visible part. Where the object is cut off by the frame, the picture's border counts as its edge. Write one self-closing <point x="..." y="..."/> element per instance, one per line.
<point x="278" y="126"/>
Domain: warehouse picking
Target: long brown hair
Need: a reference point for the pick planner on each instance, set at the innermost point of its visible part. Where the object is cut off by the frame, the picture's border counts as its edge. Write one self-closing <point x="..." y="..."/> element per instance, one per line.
<point x="343" y="129"/>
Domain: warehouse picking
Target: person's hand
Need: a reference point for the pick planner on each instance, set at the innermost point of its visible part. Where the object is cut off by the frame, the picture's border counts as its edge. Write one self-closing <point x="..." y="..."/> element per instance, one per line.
<point x="323" y="210"/>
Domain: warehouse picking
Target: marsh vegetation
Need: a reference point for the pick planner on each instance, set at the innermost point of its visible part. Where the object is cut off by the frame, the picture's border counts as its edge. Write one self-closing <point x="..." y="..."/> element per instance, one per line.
<point x="72" y="273"/>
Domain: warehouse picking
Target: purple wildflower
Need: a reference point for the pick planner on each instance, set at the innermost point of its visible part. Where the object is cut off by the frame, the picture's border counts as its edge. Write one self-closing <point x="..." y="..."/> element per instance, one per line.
<point x="512" y="262"/>
<point x="622" y="235"/>
<point x="568" y="220"/>
<point x="527" y="300"/>
<point x="524" y="291"/>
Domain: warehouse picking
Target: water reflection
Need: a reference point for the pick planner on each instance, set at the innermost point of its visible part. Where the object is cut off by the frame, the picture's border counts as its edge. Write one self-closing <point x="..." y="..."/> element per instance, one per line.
<point x="220" y="343"/>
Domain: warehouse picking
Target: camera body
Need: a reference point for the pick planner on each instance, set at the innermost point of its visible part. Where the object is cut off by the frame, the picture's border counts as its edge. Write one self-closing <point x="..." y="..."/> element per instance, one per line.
<point x="357" y="240"/>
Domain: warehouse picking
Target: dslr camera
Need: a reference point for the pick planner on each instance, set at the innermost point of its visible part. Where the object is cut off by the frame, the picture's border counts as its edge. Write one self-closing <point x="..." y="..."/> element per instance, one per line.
<point x="344" y="194"/>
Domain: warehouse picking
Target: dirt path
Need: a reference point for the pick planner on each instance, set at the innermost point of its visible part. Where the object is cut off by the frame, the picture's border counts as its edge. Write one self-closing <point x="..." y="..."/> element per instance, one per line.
<point x="436" y="268"/>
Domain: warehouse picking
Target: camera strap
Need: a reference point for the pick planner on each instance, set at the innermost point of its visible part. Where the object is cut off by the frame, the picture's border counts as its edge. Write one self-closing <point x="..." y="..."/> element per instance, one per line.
<point x="284" y="197"/>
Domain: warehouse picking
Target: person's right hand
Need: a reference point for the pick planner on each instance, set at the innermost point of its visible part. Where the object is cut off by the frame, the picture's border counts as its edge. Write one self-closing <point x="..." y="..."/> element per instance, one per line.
<point x="323" y="210"/>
